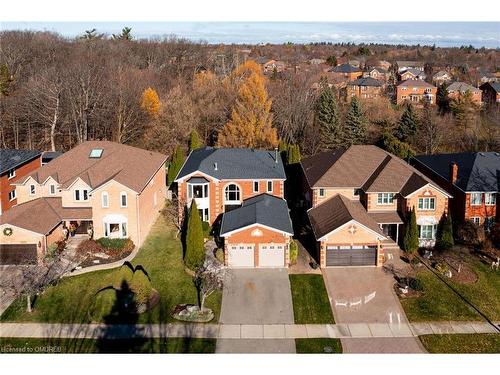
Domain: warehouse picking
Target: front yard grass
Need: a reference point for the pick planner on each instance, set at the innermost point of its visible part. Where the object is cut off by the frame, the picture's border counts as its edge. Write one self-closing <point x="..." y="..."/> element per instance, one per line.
<point x="438" y="302"/>
<point x="462" y="343"/>
<point x="161" y="256"/>
<point x="313" y="346"/>
<point x="59" y="345"/>
<point x="311" y="304"/>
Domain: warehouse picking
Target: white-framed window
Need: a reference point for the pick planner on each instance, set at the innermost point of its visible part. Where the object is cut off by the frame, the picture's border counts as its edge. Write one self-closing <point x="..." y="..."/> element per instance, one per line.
<point x="426" y="232"/>
<point x="385" y="198"/>
<point x="232" y="193"/>
<point x="11" y="174"/>
<point x="476" y="199"/>
<point x="490" y="199"/>
<point x="476" y="220"/>
<point x="32" y="189"/>
<point x="269" y="186"/>
<point x="52" y="189"/>
<point x="256" y="186"/>
<point x="12" y="195"/>
<point x="321" y="192"/>
<point x="105" y="199"/>
<point x="81" y="195"/>
<point x="427" y="203"/>
<point x="197" y="190"/>
<point x="123" y="199"/>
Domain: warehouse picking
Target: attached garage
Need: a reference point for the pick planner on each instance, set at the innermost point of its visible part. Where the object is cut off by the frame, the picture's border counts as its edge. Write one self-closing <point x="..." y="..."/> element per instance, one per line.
<point x="18" y="254"/>
<point x="241" y="255"/>
<point x="351" y="256"/>
<point x="272" y="255"/>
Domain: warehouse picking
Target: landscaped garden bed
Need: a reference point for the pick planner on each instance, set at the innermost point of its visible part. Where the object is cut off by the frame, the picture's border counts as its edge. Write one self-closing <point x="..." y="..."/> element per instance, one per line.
<point x="104" y="251"/>
<point x="311" y="304"/>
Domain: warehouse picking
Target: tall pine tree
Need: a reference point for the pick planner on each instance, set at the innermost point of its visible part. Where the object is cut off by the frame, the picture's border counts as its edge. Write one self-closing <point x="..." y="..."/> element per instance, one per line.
<point x="175" y="165"/>
<point x="354" y="132"/>
<point x="408" y="125"/>
<point x="328" y="117"/>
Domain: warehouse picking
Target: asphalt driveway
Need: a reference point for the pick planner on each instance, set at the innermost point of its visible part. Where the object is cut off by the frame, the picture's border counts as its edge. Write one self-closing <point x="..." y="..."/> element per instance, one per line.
<point x="256" y="296"/>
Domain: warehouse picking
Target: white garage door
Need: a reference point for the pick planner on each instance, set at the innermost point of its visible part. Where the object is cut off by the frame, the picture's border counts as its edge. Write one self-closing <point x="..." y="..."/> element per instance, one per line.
<point x="272" y="255"/>
<point x="241" y="255"/>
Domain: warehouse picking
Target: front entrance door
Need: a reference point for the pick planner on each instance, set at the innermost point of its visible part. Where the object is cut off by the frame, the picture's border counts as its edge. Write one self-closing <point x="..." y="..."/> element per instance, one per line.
<point x="389" y="230"/>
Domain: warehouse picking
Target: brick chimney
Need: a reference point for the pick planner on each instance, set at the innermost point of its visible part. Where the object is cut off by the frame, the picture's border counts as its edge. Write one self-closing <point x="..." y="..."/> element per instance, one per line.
<point x="453" y="172"/>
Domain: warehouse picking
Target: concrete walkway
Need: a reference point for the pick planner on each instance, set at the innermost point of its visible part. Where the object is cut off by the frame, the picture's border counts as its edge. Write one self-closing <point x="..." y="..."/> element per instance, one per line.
<point x="242" y="331"/>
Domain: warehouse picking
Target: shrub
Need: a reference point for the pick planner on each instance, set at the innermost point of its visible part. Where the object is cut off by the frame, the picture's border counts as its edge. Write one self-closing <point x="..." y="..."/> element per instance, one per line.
<point x="195" y="250"/>
<point x="470" y="234"/>
<point x="219" y="255"/>
<point x="194" y="141"/>
<point x="175" y="165"/>
<point x="124" y="274"/>
<point x="141" y="286"/>
<point x="294" y="252"/>
<point x="89" y="246"/>
<point x="207" y="229"/>
<point x="410" y="241"/>
<point x="444" y="240"/>
<point x="115" y="243"/>
<point x="442" y="268"/>
<point x="51" y="250"/>
<point x="416" y="284"/>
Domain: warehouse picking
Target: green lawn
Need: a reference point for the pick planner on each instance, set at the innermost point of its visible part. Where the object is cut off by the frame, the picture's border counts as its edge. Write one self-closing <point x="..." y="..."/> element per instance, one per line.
<point x="324" y="346"/>
<point x="161" y="257"/>
<point x="440" y="303"/>
<point x="462" y="343"/>
<point x="311" y="304"/>
<point x="157" y="345"/>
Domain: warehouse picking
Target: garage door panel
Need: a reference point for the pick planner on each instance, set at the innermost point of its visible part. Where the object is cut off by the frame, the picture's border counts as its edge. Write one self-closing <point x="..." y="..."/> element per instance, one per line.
<point x="241" y="255"/>
<point x="351" y="257"/>
<point x="272" y="255"/>
<point x="18" y="254"/>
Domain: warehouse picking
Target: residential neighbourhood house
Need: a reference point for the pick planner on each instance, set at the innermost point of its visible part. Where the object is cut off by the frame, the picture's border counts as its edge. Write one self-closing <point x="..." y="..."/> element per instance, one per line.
<point x="457" y="89"/>
<point x="15" y="164"/>
<point x="364" y="88"/>
<point x="345" y="73"/>
<point x="415" y="91"/>
<point x="441" y="77"/>
<point x="114" y="189"/>
<point x="241" y="193"/>
<point x="359" y="200"/>
<point x="377" y="73"/>
<point x="472" y="179"/>
<point x="402" y="65"/>
<point x="412" y="73"/>
<point x="491" y="93"/>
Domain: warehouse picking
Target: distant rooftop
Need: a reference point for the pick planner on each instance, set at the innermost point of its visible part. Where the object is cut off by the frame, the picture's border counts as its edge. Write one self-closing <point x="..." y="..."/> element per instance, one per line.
<point x="12" y="158"/>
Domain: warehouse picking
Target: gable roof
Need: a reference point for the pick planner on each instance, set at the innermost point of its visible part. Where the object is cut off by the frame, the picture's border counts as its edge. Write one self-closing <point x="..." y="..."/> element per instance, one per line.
<point x="234" y="163"/>
<point x="378" y="69"/>
<point x="337" y="211"/>
<point x="131" y="166"/>
<point x="494" y="85"/>
<point x="462" y="87"/>
<point x="263" y="209"/>
<point x="478" y="171"/>
<point x="345" y="68"/>
<point x="415" y="83"/>
<point x="402" y="63"/>
<point x="49" y="213"/>
<point x="441" y="73"/>
<point x="12" y="158"/>
<point x="414" y="71"/>
<point x="365" y="81"/>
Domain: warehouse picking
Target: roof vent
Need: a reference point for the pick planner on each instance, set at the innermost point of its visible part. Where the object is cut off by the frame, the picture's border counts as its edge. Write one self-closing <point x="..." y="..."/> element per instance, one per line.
<point x="215" y="166"/>
<point x="95" y="153"/>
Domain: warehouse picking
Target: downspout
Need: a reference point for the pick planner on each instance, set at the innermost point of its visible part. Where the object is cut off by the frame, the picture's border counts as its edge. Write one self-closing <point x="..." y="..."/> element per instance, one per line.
<point x="138" y="222"/>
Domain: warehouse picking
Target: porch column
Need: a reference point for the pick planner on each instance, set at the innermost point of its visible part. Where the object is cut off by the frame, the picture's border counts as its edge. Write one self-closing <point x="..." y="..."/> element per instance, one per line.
<point x="397" y="233"/>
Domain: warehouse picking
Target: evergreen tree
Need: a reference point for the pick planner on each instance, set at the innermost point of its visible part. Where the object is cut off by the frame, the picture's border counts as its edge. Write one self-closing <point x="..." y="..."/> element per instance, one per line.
<point x="328" y="117"/>
<point x="195" y="250"/>
<point x="444" y="235"/>
<point x="293" y="154"/>
<point x="464" y="109"/>
<point x="410" y="241"/>
<point x="442" y="99"/>
<point x="393" y="145"/>
<point x="126" y="34"/>
<point x="194" y="141"/>
<point x="175" y="165"/>
<point x="331" y="60"/>
<point x="407" y="125"/>
<point x="355" y="124"/>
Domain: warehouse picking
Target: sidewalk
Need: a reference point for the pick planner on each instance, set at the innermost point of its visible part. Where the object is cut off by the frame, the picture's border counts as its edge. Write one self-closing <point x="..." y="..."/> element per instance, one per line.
<point x="241" y="331"/>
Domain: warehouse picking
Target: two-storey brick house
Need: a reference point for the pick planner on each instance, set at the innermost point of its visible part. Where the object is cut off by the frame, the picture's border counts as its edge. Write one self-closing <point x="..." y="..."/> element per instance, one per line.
<point x="458" y="89"/>
<point x="233" y="189"/>
<point x="360" y="197"/>
<point x="415" y="91"/>
<point x="115" y="189"/>
<point x="364" y="88"/>
<point x="472" y="179"/>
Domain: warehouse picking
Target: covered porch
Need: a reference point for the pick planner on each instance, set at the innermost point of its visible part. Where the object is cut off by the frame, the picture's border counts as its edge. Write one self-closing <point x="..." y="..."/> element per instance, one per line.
<point x="390" y="223"/>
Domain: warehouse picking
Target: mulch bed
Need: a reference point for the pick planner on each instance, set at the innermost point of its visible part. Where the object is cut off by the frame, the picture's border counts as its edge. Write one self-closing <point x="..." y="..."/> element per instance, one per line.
<point x="88" y="250"/>
<point x="113" y="257"/>
<point x="456" y="259"/>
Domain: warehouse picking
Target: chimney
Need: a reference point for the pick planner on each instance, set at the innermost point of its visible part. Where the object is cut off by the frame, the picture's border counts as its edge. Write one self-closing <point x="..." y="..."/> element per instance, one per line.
<point x="276" y="154"/>
<point x="453" y="172"/>
<point x="215" y="166"/>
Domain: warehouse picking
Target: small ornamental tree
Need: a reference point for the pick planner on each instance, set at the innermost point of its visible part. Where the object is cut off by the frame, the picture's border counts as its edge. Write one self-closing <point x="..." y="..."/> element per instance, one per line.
<point x="294" y="252"/>
<point x="410" y="241"/>
<point x="209" y="277"/>
<point x="194" y="141"/>
<point x="195" y="250"/>
<point x="175" y="165"/>
<point x="444" y="240"/>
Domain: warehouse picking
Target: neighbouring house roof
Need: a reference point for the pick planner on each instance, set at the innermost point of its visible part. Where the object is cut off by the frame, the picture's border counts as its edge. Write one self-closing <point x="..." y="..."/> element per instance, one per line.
<point x="12" y="158"/>
<point x="415" y="72"/>
<point x="366" y="81"/>
<point x="264" y="209"/>
<point x="48" y="156"/>
<point x="441" y="73"/>
<point x="49" y="213"/>
<point x="234" y="163"/>
<point x="345" y="68"/>
<point x="462" y="87"/>
<point x="402" y="63"/>
<point x="363" y="166"/>
<point x="130" y="166"/>
<point x="378" y="69"/>
<point x="494" y="85"/>
<point x="415" y="83"/>
<point x="337" y="211"/>
<point x="478" y="171"/>
<point x="386" y="217"/>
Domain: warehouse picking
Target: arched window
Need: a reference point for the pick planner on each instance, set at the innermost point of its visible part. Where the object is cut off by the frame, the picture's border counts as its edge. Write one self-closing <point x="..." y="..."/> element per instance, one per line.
<point x="232" y="193"/>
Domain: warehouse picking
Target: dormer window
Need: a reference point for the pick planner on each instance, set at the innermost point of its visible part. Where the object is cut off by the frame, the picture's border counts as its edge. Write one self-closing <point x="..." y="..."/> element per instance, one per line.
<point x="95" y="153"/>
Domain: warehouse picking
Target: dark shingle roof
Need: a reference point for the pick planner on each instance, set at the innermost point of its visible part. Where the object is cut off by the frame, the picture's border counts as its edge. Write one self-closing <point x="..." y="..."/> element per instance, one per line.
<point x="234" y="163"/>
<point x="476" y="171"/>
<point x="48" y="156"/>
<point x="366" y="81"/>
<point x="11" y="158"/>
<point x="494" y="85"/>
<point x="262" y="209"/>
<point x="338" y="211"/>
<point x="345" y="68"/>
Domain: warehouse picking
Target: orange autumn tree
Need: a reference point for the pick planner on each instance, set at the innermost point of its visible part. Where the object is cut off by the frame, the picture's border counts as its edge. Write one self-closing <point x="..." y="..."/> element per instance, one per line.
<point x="150" y="102"/>
<point x="251" y="120"/>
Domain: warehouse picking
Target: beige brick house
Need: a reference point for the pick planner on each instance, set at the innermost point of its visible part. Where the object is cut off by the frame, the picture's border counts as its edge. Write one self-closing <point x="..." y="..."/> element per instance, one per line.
<point x="360" y="197"/>
<point x="115" y="189"/>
